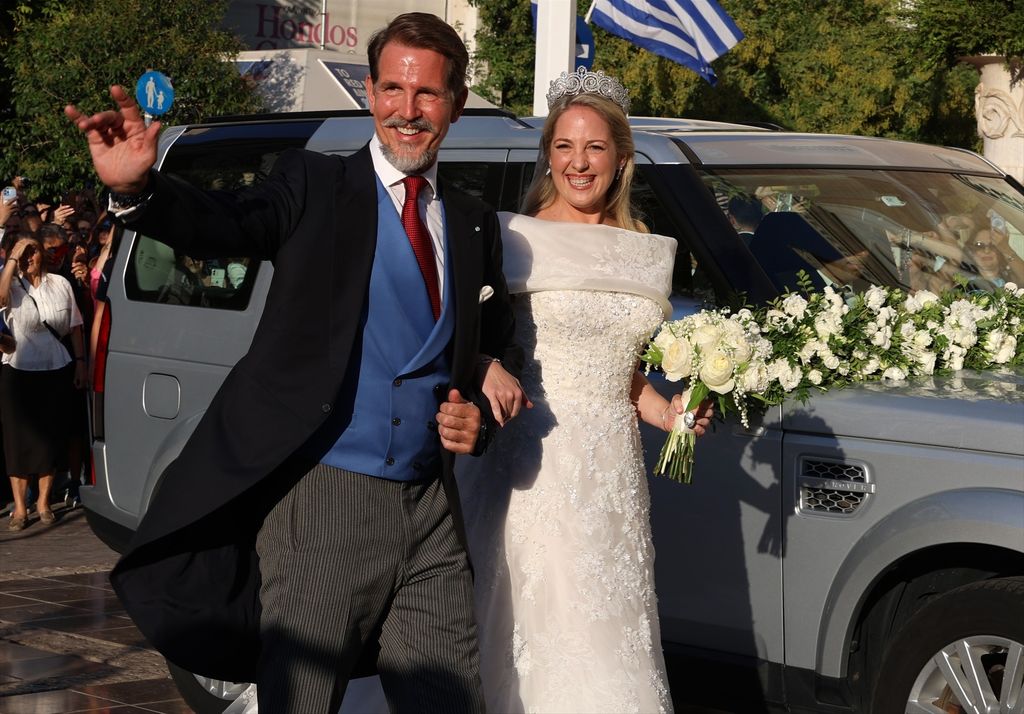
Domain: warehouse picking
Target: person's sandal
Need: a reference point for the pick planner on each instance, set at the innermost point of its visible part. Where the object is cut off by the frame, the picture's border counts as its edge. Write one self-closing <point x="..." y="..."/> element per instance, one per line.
<point x="17" y="523"/>
<point x="47" y="518"/>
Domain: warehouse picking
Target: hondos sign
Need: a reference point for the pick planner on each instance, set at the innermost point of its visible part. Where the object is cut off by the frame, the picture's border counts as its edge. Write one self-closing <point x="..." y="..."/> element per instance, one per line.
<point x="346" y="26"/>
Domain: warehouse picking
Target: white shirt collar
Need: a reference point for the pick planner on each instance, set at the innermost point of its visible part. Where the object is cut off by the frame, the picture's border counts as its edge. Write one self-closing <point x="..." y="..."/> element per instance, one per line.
<point x="389" y="175"/>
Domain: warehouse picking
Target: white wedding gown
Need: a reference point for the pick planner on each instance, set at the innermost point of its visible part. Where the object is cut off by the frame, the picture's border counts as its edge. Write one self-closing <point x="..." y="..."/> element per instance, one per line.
<point x="557" y="509"/>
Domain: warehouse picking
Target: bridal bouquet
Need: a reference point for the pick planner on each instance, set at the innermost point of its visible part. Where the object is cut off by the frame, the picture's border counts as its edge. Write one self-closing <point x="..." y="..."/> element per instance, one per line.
<point x="717" y="352"/>
<point x="754" y="359"/>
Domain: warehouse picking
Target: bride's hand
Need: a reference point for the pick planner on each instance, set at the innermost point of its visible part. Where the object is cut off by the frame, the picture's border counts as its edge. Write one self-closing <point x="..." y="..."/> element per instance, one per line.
<point x="703" y="414"/>
<point x="502" y="390"/>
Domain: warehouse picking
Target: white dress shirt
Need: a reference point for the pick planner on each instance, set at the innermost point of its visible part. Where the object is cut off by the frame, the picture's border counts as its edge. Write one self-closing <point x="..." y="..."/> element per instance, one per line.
<point x="429" y="203"/>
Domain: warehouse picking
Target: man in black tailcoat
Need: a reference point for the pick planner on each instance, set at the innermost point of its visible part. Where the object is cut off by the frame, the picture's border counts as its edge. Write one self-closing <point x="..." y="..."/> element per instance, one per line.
<point x="311" y="523"/>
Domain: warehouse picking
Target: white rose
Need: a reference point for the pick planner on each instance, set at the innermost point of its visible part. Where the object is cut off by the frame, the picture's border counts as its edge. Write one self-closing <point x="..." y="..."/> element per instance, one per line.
<point x="895" y="374"/>
<point x="1007" y="349"/>
<point x="1010" y="287"/>
<point x="794" y="305"/>
<point x="925" y="297"/>
<point x="882" y="338"/>
<point x="777" y="319"/>
<point x="831" y="360"/>
<point x="827" y="324"/>
<point x="790" y="378"/>
<point x="706" y="338"/>
<point x="677" y="360"/>
<point x="874" y="298"/>
<point x="814" y="376"/>
<point x="806" y="353"/>
<point x="735" y="338"/>
<point x="664" y="339"/>
<point x="754" y="378"/>
<point x="716" y="372"/>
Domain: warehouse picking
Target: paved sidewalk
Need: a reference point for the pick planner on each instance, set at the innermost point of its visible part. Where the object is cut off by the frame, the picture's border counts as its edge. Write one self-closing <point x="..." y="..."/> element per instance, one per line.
<point x="65" y="643"/>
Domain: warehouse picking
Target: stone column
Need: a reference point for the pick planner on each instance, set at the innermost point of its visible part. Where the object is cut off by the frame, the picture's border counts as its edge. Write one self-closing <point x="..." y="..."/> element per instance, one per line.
<point x="999" y="108"/>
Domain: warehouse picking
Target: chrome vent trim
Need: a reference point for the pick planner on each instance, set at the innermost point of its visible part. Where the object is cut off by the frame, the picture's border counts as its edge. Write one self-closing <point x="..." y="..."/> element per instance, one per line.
<point x="833" y="488"/>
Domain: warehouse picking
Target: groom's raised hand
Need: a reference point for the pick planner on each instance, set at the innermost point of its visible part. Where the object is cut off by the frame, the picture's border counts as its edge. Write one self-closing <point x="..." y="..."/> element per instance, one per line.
<point x="458" y="423"/>
<point x="123" y="148"/>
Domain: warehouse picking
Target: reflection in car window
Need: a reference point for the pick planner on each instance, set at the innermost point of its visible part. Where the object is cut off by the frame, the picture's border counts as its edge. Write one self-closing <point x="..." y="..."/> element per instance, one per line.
<point x="856" y="227"/>
<point x="158" y="273"/>
<point x="479" y="179"/>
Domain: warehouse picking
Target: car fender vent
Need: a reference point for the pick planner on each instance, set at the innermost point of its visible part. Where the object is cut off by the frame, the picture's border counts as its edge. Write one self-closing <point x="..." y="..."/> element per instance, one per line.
<point x="834" y="488"/>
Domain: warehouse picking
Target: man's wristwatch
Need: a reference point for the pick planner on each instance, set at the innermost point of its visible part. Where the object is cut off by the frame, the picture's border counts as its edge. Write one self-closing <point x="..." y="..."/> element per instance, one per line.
<point x="119" y="202"/>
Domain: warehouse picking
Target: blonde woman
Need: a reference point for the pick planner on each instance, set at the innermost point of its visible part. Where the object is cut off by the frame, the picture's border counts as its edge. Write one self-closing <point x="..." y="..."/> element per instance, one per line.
<point x="557" y="510"/>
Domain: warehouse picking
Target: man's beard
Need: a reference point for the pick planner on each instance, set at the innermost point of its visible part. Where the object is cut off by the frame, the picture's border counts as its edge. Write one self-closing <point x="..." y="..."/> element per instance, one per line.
<point x="409" y="163"/>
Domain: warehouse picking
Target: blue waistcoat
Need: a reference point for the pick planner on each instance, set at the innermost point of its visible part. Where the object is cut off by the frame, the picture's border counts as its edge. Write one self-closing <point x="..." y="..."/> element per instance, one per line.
<point x="399" y="372"/>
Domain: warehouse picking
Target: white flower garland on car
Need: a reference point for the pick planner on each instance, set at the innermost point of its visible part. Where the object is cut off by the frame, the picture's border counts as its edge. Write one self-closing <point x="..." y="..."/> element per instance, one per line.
<point x="752" y="359"/>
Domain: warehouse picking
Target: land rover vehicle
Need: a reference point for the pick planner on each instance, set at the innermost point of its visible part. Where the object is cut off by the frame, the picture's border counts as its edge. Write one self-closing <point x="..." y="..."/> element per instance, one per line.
<point x="863" y="551"/>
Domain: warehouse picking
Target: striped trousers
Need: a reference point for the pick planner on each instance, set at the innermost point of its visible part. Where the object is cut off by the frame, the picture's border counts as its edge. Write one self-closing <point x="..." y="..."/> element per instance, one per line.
<point x="349" y="561"/>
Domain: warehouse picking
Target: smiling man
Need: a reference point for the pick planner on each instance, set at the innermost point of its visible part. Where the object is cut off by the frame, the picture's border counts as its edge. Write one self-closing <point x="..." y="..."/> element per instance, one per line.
<point x="311" y="523"/>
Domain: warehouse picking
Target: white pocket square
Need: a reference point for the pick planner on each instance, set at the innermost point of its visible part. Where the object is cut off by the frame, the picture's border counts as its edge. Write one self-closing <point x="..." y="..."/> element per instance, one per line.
<point x="486" y="292"/>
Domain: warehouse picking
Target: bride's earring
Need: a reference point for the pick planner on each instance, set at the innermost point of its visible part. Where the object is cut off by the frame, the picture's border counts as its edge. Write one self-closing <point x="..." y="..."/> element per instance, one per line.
<point x="618" y="174"/>
<point x="548" y="172"/>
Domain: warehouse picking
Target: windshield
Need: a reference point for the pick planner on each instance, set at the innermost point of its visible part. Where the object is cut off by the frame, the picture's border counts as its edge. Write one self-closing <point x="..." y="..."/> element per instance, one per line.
<point x="851" y="228"/>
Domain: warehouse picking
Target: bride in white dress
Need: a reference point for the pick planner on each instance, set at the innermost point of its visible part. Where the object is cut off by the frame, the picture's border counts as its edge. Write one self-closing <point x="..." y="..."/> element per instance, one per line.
<point x="557" y="510"/>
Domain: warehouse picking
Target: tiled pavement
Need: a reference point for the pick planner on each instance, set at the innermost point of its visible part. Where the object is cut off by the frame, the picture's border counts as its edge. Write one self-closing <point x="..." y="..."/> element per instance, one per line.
<point x="65" y="643"/>
<point x="67" y="646"/>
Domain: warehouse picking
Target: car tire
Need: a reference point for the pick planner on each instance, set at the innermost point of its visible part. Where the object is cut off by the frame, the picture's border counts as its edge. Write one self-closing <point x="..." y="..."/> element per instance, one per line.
<point x="980" y="625"/>
<point x="202" y="694"/>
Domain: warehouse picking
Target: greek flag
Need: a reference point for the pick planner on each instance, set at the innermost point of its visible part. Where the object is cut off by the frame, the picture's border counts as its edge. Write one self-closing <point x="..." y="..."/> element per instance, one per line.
<point x="690" y="32"/>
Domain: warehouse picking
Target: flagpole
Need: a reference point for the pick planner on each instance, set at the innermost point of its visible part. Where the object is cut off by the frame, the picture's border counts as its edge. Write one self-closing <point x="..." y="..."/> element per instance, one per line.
<point x="556" y="47"/>
<point x="586" y="18"/>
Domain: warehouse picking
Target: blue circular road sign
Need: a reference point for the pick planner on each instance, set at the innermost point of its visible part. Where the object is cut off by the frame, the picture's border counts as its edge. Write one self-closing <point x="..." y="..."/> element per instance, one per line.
<point x="154" y="93"/>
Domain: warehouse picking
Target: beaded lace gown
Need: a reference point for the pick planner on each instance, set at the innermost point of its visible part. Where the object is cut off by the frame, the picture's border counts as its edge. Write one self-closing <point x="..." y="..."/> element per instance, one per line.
<point x="557" y="510"/>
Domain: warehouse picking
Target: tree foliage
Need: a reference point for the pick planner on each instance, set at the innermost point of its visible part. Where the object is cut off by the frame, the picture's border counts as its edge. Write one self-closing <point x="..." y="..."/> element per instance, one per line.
<point x="806" y="65"/>
<point x="947" y="29"/>
<point x="71" y="51"/>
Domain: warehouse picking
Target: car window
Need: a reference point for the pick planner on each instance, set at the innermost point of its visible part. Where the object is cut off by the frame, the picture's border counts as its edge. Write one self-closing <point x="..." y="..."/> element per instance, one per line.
<point x="158" y="273"/>
<point x="855" y="227"/>
<point x="480" y="179"/>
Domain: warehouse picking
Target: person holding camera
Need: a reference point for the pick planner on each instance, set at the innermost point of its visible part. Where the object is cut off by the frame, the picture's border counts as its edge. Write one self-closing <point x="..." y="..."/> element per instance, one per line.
<point x="36" y="380"/>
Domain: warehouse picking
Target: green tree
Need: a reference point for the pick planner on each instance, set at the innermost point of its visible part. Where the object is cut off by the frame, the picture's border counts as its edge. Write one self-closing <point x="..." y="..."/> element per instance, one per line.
<point x="71" y="51"/>
<point x="504" y="54"/>
<point x="946" y="30"/>
<point x="806" y="65"/>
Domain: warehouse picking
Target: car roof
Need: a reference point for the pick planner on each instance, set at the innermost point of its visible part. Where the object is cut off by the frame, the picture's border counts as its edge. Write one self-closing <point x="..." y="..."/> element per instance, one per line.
<point x="658" y="140"/>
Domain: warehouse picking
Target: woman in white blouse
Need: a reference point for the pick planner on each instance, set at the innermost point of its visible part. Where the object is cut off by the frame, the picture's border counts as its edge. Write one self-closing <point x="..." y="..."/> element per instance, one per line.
<point x="37" y="378"/>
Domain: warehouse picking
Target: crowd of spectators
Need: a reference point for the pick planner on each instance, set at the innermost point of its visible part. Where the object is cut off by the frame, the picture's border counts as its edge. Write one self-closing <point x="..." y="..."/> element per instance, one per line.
<point x="54" y="252"/>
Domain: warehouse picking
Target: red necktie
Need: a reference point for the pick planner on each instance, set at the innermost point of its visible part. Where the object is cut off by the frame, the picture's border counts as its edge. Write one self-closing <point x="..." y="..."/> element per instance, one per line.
<point x="419" y="237"/>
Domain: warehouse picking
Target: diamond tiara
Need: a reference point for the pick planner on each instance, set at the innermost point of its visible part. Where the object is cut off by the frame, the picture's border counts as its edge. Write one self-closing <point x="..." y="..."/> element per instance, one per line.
<point x="583" y="81"/>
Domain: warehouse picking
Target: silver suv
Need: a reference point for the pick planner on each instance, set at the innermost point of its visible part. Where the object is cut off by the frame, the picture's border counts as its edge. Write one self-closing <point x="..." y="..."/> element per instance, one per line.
<point x="861" y="552"/>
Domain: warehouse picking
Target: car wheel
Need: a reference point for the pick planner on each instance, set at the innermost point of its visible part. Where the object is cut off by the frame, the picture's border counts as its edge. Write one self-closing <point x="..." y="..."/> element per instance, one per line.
<point x="962" y="652"/>
<point x="202" y="694"/>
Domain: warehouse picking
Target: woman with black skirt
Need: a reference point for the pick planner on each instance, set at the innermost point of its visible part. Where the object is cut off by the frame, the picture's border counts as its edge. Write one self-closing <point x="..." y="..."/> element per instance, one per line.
<point x="37" y="379"/>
